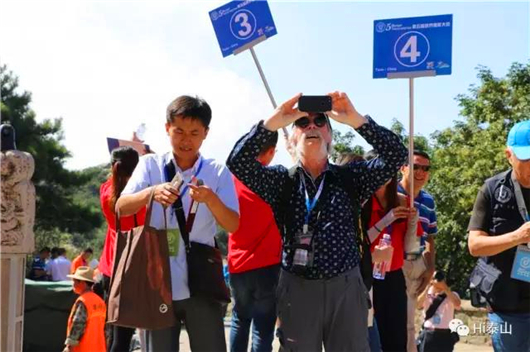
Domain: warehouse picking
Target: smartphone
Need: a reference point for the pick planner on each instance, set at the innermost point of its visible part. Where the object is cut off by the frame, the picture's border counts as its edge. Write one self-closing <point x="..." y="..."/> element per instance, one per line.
<point x="177" y="181"/>
<point x="314" y="103"/>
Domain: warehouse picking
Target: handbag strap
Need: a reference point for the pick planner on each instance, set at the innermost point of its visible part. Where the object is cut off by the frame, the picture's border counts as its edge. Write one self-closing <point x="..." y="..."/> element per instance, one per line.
<point x="117" y="215"/>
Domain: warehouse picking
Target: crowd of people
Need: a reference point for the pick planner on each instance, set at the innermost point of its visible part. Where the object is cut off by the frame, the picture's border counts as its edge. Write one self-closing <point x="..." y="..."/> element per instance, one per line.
<point x="320" y="255"/>
<point x="54" y="265"/>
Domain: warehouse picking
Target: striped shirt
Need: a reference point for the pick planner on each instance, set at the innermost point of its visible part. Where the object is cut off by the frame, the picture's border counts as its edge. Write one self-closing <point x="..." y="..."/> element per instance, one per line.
<point x="424" y="202"/>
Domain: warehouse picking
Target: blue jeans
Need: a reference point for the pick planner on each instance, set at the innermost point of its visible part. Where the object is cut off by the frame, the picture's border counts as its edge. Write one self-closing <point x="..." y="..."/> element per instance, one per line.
<point x="254" y="295"/>
<point x="373" y="338"/>
<point x="510" y="332"/>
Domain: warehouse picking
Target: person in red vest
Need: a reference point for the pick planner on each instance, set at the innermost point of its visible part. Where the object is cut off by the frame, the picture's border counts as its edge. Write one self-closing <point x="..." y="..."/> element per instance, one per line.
<point x="86" y="324"/>
<point x="254" y="254"/>
<point x="81" y="260"/>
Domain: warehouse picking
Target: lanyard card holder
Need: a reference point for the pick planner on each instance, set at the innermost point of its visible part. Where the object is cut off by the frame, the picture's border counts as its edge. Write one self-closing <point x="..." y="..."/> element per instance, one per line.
<point x="303" y="250"/>
<point x="521" y="264"/>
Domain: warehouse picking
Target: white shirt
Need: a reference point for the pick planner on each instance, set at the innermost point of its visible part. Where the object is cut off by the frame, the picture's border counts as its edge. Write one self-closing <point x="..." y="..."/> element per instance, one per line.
<point x="150" y="172"/>
<point x="59" y="268"/>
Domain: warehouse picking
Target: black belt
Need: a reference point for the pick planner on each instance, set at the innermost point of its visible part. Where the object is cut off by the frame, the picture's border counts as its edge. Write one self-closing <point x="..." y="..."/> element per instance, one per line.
<point x="412" y="256"/>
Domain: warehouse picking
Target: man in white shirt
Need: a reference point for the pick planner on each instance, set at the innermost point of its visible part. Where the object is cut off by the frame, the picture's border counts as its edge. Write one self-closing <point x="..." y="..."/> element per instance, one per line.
<point x="60" y="267"/>
<point x="187" y="125"/>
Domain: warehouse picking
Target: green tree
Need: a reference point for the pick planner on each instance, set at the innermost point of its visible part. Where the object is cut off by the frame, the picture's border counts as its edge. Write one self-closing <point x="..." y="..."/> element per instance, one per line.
<point x="420" y="142"/>
<point x="468" y="153"/>
<point x="343" y="144"/>
<point x="58" y="213"/>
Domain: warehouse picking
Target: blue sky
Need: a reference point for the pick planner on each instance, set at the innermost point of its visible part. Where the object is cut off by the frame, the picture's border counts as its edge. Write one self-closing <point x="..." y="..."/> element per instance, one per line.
<point x="104" y="67"/>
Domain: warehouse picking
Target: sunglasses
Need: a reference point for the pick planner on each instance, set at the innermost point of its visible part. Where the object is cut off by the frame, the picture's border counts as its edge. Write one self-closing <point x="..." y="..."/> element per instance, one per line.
<point x="319" y="121"/>
<point x="425" y="168"/>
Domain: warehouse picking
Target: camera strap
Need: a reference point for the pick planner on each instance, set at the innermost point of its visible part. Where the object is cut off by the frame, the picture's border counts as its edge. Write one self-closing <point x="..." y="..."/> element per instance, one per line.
<point x="519" y="198"/>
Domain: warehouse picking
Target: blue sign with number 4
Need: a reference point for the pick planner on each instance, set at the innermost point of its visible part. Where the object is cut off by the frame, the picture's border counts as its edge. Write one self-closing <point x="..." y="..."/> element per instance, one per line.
<point x="239" y="23"/>
<point x="408" y="45"/>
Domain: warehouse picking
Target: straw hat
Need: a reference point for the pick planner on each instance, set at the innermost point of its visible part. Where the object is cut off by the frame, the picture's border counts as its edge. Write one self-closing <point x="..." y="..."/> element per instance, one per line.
<point x="83" y="273"/>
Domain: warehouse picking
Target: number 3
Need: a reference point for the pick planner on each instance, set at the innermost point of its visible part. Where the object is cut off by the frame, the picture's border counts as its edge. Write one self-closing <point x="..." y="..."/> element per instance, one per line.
<point x="243" y="18"/>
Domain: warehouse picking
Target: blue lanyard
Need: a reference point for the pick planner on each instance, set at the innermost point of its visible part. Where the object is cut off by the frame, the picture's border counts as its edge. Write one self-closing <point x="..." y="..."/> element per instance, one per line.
<point x="310" y="204"/>
<point x="185" y="189"/>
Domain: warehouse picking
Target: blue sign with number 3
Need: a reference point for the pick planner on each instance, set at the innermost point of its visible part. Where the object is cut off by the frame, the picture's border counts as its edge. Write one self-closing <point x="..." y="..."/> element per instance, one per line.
<point x="241" y="22"/>
<point x="413" y="44"/>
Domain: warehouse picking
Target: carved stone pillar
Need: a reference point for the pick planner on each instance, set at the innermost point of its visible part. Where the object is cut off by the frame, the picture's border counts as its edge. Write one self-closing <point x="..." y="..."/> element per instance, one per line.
<point x="17" y="241"/>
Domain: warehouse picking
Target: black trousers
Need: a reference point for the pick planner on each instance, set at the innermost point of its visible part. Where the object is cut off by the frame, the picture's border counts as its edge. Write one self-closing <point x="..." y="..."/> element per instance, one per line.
<point x="390" y="310"/>
<point x="438" y="340"/>
<point x="119" y="337"/>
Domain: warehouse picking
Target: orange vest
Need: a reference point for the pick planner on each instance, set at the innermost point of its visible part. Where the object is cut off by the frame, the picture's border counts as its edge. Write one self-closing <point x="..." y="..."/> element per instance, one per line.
<point x="78" y="261"/>
<point x="93" y="339"/>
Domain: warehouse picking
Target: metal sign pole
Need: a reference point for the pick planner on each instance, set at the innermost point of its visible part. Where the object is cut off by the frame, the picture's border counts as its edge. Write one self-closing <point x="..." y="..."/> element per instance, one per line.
<point x="269" y="92"/>
<point x="411" y="141"/>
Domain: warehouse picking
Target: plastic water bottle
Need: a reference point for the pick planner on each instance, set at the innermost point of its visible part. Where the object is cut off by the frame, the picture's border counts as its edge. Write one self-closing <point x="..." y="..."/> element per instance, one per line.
<point x="140" y="131"/>
<point x="381" y="267"/>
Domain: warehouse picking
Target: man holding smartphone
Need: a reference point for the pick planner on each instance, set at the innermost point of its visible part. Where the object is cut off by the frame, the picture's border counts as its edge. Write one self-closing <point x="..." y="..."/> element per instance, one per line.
<point x="322" y="299"/>
<point x="188" y="119"/>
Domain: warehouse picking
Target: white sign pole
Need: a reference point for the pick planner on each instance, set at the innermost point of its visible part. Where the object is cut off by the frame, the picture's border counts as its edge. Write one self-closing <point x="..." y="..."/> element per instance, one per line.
<point x="411" y="141"/>
<point x="269" y="92"/>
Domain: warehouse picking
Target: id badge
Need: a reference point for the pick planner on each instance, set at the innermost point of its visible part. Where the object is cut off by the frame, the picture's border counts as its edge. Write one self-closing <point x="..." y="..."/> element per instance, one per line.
<point x="303" y="257"/>
<point x="173" y="239"/>
<point x="521" y="264"/>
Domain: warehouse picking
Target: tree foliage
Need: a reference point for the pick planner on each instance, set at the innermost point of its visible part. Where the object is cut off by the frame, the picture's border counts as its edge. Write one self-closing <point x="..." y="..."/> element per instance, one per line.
<point x="421" y="143"/>
<point x="468" y="153"/>
<point x="343" y="144"/>
<point x="59" y="213"/>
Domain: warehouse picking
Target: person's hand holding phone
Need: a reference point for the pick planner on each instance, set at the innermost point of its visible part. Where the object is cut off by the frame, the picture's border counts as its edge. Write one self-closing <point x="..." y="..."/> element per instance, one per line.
<point x="343" y="110"/>
<point x="200" y="192"/>
<point x="166" y="194"/>
<point x="285" y="114"/>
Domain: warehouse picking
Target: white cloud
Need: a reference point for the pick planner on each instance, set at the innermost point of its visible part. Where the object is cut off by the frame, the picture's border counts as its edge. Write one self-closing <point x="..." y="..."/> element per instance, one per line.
<point x="106" y="67"/>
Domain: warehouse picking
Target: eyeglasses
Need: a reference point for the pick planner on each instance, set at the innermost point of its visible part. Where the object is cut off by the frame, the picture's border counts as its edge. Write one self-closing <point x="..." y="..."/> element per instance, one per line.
<point x="425" y="168"/>
<point x="319" y="121"/>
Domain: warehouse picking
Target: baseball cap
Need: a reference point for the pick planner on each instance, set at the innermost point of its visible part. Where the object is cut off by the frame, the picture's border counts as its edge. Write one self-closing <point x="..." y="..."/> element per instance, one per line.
<point x="519" y="140"/>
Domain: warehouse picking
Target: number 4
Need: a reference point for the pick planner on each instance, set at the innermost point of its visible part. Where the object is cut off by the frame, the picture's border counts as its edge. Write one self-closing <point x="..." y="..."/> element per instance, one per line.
<point x="410" y="49"/>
